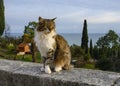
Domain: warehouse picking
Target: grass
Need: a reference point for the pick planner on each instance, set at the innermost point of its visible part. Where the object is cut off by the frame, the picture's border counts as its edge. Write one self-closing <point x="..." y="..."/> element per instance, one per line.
<point x="89" y="66"/>
<point x="28" y="57"/>
<point x="81" y="63"/>
<point x="7" y="54"/>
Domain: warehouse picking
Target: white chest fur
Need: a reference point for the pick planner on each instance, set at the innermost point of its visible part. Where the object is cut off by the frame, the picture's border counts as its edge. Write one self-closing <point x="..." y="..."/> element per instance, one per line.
<point x="44" y="42"/>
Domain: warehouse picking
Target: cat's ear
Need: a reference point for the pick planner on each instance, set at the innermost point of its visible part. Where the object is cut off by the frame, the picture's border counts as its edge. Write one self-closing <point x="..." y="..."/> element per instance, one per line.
<point x="40" y="18"/>
<point x="54" y="18"/>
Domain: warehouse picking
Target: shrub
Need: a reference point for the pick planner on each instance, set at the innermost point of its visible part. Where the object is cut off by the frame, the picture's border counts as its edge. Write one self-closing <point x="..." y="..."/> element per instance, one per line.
<point x="104" y="64"/>
<point x="87" y="57"/>
<point x="89" y="66"/>
<point x="117" y="65"/>
<point x="77" y="51"/>
<point x="11" y="47"/>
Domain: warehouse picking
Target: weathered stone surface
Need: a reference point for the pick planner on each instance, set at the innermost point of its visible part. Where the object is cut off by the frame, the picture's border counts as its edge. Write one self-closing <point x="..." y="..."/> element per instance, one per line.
<point x="16" y="73"/>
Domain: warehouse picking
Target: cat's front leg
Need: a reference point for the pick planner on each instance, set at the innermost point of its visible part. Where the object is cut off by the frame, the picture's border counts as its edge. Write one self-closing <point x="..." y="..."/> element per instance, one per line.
<point x="48" y="63"/>
<point x="47" y="69"/>
<point x="49" y="60"/>
<point x="43" y="63"/>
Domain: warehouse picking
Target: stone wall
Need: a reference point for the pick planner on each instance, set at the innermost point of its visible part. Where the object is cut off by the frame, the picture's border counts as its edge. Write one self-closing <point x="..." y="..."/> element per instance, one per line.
<point x="16" y="73"/>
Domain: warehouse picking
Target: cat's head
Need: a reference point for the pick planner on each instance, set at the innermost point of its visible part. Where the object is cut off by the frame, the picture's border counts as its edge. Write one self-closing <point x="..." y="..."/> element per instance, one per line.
<point x="46" y="24"/>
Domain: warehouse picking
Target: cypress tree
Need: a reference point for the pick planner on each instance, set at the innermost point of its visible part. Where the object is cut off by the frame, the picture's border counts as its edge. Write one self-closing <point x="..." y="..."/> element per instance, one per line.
<point x="91" y="48"/>
<point x="84" y="40"/>
<point x="2" y="17"/>
<point x="96" y="53"/>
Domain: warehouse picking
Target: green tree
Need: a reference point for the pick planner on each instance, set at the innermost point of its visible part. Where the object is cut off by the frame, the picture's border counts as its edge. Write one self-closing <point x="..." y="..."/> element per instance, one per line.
<point x="87" y="57"/>
<point x="109" y="44"/>
<point x="29" y="32"/>
<point x="77" y="51"/>
<point x="91" y="48"/>
<point x="2" y="17"/>
<point x="84" y="40"/>
<point x="96" y="52"/>
<point x="102" y="42"/>
<point x="29" y="29"/>
<point x="111" y="39"/>
<point x="109" y="51"/>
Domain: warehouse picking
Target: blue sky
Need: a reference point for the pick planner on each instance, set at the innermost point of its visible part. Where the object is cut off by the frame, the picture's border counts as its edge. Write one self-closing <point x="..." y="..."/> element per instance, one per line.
<point x="101" y="15"/>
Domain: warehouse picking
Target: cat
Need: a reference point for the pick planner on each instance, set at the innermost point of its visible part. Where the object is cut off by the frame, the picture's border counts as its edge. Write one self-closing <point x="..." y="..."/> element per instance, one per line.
<point x="54" y="49"/>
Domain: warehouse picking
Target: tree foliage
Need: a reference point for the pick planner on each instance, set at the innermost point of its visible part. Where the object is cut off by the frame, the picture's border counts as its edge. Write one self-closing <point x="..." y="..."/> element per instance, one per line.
<point x="96" y="52"/>
<point x="29" y="29"/>
<point x="84" y="40"/>
<point x="107" y="52"/>
<point x="91" y="48"/>
<point x="109" y="44"/>
<point x="77" y="51"/>
<point x="2" y="17"/>
<point x="111" y="39"/>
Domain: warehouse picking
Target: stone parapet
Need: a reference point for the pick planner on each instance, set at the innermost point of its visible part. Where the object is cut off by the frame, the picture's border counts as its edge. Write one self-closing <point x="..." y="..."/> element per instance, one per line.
<point x="17" y="73"/>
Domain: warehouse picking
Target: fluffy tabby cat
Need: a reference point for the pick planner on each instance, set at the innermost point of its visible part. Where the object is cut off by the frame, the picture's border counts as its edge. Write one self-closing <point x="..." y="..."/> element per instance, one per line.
<point x="54" y="48"/>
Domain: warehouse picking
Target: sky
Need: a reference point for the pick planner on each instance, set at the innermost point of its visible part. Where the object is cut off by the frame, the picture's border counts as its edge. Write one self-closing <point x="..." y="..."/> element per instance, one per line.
<point x="101" y="15"/>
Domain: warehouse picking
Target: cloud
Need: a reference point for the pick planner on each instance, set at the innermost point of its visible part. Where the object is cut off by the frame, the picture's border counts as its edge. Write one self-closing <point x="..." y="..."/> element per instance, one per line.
<point x="70" y="13"/>
<point x="93" y="16"/>
<point x="105" y="17"/>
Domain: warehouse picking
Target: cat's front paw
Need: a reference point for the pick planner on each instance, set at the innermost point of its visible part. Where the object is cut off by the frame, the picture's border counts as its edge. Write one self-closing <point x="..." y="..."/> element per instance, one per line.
<point x="47" y="69"/>
<point x="57" y="69"/>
